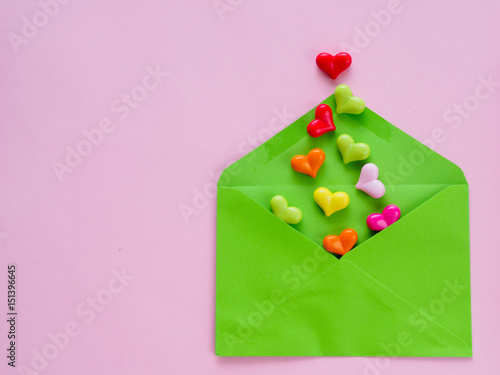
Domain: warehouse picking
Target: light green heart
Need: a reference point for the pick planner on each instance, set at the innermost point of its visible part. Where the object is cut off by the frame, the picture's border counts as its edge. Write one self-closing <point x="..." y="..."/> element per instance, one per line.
<point x="350" y="150"/>
<point x="290" y="215"/>
<point x="346" y="103"/>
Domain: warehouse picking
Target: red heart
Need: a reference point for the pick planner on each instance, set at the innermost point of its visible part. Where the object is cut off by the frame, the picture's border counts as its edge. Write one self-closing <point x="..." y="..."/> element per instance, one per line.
<point x="333" y="65"/>
<point x="323" y="122"/>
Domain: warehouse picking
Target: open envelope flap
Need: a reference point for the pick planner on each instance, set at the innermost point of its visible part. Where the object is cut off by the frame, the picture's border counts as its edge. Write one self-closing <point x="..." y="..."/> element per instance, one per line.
<point x="278" y="295"/>
<point x="402" y="160"/>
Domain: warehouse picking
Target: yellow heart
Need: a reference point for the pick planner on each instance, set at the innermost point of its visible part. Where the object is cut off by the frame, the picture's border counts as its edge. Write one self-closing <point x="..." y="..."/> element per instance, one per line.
<point x="330" y="202"/>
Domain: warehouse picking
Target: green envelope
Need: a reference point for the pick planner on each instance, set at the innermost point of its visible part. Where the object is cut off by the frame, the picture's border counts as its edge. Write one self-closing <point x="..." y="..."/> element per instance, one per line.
<point x="404" y="291"/>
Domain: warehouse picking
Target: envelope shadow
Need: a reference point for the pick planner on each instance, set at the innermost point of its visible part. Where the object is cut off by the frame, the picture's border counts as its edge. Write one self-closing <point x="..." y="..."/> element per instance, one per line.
<point x="449" y="360"/>
<point x="231" y="361"/>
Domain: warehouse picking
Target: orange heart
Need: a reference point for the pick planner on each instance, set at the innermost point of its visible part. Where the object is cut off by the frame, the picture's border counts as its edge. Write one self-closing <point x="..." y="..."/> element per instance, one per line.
<point x="341" y="244"/>
<point x="309" y="164"/>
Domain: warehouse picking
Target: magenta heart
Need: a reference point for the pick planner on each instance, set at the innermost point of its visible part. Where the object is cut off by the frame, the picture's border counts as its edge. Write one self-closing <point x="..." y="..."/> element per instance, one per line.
<point x="389" y="215"/>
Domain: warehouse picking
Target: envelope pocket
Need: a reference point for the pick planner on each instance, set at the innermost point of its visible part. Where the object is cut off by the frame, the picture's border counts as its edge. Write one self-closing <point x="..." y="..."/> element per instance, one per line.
<point x="278" y="293"/>
<point x="342" y="312"/>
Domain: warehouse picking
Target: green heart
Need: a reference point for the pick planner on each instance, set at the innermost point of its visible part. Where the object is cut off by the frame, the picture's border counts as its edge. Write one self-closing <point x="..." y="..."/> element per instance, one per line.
<point x="290" y="215"/>
<point x="351" y="151"/>
<point x="346" y="103"/>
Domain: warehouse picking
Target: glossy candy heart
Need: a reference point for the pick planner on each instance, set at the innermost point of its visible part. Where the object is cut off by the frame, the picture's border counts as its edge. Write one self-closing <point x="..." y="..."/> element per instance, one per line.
<point x="341" y="244"/>
<point x="346" y="103"/>
<point x="369" y="182"/>
<point x="323" y="122"/>
<point x="330" y="202"/>
<point x="389" y="215"/>
<point x="290" y="215"/>
<point x="350" y="150"/>
<point x="309" y="164"/>
<point x="333" y="65"/>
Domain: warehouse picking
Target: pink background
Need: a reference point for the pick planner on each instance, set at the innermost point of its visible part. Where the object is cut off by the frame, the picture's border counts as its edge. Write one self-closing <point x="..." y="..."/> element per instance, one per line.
<point x="228" y="75"/>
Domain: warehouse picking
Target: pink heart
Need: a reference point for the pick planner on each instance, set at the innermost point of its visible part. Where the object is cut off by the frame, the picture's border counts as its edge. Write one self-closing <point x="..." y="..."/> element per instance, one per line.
<point x="369" y="182"/>
<point x="389" y="215"/>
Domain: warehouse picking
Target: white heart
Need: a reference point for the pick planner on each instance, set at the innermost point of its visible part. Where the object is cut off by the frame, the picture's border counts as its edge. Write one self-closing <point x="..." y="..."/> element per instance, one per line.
<point x="369" y="183"/>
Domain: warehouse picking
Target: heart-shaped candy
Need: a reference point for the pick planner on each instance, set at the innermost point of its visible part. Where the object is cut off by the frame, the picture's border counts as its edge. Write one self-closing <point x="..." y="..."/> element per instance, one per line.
<point x="389" y="215"/>
<point x="309" y="164"/>
<point x="341" y="244"/>
<point x="346" y="103"/>
<point x="330" y="202"/>
<point x="333" y="65"/>
<point x="290" y="215"/>
<point x="369" y="182"/>
<point x="350" y="150"/>
<point x="323" y="122"/>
